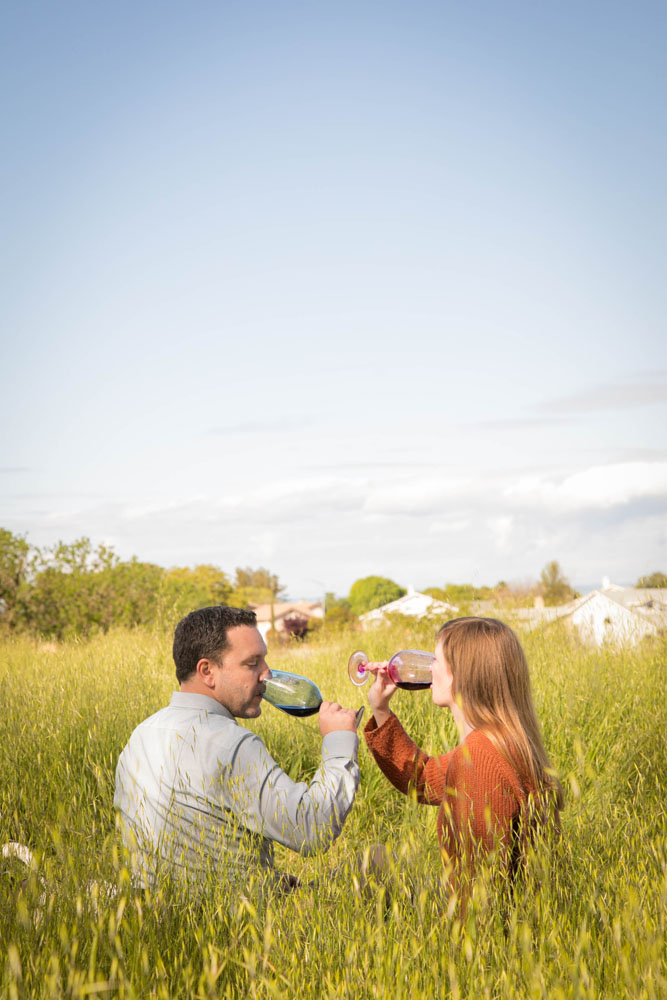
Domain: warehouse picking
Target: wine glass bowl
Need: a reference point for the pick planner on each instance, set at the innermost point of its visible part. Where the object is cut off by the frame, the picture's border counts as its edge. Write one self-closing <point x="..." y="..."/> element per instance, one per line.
<point x="409" y="669"/>
<point x="292" y="693"/>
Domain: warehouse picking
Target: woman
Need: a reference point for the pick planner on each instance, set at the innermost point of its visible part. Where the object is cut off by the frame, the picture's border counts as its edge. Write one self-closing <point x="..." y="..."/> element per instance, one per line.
<point x="495" y="790"/>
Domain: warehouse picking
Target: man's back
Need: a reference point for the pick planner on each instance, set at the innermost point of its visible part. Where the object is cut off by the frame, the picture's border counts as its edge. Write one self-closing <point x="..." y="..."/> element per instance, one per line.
<point x="194" y="788"/>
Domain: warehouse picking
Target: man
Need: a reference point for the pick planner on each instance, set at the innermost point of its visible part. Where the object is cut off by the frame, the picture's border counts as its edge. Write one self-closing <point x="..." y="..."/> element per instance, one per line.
<point x="197" y="793"/>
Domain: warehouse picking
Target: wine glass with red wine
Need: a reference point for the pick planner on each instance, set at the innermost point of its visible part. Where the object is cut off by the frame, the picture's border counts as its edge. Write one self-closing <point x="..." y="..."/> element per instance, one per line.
<point x="410" y="669"/>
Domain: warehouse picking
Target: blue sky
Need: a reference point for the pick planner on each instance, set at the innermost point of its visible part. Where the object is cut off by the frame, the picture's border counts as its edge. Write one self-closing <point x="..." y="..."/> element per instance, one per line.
<point x="337" y="288"/>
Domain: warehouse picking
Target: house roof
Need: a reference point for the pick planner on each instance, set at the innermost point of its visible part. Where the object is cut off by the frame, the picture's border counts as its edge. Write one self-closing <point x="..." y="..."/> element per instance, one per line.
<point x="533" y="616"/>
<point x="281" y="609"/>
<point x="651" y="605"/>
<point x="638" y="597"/>
<point x="639" y="602"/>
<point x="413" y="604"/>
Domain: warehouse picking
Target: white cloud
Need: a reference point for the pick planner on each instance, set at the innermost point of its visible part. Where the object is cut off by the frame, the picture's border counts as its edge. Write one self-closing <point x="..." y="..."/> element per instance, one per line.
<point x="486" y="525"/>
<point x="264" y="544"/>
<point x="184" y="506"/>
<point x="601" y="486"/>
<point x="416" y="495"/>
<point x="501" y="530"/>
<point x="617" y="396"/>
<point x="443" y="527"/>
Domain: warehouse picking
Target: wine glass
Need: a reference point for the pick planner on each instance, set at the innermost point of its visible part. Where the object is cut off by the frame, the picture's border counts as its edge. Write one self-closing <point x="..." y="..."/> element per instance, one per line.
<point x="410" y="669"/>
<point x="295" y="694"/>
<point x="292" y="693"/>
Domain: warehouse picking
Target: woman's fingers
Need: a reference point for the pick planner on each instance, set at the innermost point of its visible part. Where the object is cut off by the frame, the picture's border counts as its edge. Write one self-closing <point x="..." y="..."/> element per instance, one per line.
<point x="376" y="668"/>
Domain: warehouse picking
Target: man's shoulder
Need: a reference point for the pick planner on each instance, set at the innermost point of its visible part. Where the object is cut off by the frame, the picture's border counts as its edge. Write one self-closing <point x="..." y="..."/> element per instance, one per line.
<point x="187" y="711"/>
<point x="207" y="738"/>
<point x="180" y="719"/>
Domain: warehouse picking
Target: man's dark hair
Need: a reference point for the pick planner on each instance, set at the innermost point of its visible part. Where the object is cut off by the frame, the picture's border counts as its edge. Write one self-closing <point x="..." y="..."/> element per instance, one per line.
<point x="203" y="633"/>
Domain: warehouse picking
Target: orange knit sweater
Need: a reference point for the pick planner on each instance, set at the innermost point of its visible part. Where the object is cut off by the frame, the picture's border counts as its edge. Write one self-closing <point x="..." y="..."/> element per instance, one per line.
<point x="481" y="796"/>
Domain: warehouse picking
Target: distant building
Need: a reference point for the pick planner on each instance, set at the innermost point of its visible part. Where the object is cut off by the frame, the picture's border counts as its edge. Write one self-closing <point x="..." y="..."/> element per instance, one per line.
<point x="289" y="617"/>
<point x="413" y="604"/>
<point x="619" y="615"/>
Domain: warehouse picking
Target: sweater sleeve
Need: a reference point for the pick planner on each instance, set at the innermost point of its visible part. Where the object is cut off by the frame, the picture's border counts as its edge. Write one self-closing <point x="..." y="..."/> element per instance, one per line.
<point x="404" y="764"/>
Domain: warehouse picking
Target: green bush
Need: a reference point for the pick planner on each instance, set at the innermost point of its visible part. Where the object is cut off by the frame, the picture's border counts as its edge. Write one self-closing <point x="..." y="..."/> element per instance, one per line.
<point x="372" y="592"/>
<point x="74" y="590"/>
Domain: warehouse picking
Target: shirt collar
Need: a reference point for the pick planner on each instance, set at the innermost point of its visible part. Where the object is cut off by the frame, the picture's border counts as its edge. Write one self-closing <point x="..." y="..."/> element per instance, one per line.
<point x="187" y="699"/>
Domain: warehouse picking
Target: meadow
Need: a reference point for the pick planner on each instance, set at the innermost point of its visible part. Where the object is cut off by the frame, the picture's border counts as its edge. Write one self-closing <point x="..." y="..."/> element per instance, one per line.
<point x="588" y="921"/>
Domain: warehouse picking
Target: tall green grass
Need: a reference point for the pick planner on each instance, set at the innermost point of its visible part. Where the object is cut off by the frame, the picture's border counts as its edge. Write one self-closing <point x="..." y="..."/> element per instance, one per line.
<point x="588" y="922"/>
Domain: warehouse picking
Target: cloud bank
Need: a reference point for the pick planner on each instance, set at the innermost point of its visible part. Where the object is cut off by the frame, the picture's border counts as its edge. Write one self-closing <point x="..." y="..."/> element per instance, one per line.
<point x="423" y="528"/>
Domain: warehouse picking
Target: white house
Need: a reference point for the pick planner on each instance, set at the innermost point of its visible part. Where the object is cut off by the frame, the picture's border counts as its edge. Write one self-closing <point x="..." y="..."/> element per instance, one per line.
<point x="413" y="604"/>
<point x="622" y="615"/>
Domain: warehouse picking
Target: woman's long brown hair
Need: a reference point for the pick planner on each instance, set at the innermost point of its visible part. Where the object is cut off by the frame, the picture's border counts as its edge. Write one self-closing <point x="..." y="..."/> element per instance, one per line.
<point x="491" y="680"/>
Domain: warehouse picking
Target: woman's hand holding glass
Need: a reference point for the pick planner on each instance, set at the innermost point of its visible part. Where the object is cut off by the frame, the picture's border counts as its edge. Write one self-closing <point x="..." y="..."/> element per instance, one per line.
<point x="411" y="669"/>
<point x="381" y="690"/>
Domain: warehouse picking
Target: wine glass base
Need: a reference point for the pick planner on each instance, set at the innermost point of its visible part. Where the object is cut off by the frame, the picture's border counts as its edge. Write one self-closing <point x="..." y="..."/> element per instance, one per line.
<point x="355" y="668"/>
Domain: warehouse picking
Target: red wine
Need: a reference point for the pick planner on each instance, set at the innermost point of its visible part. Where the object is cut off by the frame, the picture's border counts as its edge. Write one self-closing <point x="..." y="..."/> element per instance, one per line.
<point x="298" y="710"/>
<point x="413" y="685"/>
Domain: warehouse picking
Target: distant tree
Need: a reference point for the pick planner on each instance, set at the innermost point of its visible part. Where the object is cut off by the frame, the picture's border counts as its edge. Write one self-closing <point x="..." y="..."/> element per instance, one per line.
<point x="337" y="612"/>
<point x="459" y="594"/>
<point x="78" y="557"/>
<point x="255" y="586"/>
<point x="372" y="592"/>
<point x="75" y="590"/>
<point x="517" y="594"/>
<point x="658" y="580"/>
<point x="208" y="584"/>
<point x="556" y="587"/>
<point x="15" y="555"/>
<point x="62" y="598"/>
<point x="437" y="593"/>
<point x="131" y="594"/>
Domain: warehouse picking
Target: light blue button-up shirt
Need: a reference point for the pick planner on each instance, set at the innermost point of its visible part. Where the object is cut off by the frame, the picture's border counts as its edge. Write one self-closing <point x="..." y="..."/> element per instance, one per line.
<point x="195" y="789"/>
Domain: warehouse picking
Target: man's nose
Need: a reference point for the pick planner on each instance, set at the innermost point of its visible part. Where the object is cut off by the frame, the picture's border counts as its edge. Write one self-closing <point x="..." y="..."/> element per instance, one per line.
<point x="266" y="673"/>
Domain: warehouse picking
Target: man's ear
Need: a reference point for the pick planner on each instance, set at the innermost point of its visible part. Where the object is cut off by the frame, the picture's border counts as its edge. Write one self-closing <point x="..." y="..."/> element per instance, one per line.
<point x="205" y="671"/>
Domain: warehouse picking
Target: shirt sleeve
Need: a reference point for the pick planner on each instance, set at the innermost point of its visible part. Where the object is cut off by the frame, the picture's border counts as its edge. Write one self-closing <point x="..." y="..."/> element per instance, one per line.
<point x="404" y="764"/>
<point x="303" y="817"/>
